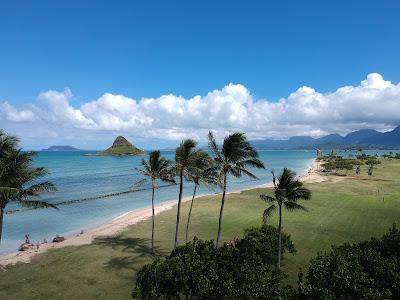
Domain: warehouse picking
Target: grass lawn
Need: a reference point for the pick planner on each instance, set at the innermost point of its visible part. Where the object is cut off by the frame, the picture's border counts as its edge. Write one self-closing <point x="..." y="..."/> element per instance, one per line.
<point x="341" y="210"/>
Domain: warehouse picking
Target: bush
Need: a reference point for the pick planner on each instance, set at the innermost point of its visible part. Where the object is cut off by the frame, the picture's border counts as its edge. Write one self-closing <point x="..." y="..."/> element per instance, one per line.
<point x="239" y="270"/>
<point x="337" y="163"/>
<point x="367" y="270"/>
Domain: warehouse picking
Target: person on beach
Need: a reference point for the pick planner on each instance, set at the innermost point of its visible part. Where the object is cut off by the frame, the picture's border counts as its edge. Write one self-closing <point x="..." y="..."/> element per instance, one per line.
<point x="27" y="241"/>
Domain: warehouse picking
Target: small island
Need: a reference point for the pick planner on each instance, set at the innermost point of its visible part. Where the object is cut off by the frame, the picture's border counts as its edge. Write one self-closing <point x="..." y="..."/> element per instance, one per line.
<point x="120" y="147"/>
<point x="61" y="148"/>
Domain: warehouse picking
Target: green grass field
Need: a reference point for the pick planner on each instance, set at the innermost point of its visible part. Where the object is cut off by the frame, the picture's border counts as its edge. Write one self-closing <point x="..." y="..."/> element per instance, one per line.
<point x="341" y="210"/>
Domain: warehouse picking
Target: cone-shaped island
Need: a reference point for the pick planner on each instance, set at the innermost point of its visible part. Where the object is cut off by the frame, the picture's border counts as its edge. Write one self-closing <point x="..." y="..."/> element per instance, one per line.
<point x="120" y="147"/>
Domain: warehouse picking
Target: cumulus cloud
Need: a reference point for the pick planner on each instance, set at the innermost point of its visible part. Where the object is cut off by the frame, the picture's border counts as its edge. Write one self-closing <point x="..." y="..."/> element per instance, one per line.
<point x="374" y="103"/>
<point x="12" y="114"/>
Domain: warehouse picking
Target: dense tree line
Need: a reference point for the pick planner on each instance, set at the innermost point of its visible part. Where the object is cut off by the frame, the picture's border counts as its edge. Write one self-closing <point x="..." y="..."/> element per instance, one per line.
<point x="366" y="270"/>
<point x="241" y="269"/>
<point x="245" y="270"/>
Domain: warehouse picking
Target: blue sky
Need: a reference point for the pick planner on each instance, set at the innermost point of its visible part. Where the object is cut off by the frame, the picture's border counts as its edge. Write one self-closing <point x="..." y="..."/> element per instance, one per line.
<point x="146" y="49"/>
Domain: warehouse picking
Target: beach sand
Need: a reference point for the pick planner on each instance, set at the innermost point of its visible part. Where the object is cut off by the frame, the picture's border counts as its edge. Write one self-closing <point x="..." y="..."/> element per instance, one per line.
<point x="120" y="223"/>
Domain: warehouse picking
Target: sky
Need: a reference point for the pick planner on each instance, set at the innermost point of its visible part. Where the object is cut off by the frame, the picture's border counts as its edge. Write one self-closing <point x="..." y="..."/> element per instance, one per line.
<point x="81" y="72"/>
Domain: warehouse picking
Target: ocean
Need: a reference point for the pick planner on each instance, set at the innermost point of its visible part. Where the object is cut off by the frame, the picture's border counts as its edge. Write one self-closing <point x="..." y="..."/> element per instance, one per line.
<point x="82" y="177"/>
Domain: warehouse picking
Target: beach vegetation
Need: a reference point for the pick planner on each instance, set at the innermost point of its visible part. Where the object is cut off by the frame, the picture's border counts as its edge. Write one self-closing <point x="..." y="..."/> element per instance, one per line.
<point x="365" y="270"/>
<point x="240" y="269"/>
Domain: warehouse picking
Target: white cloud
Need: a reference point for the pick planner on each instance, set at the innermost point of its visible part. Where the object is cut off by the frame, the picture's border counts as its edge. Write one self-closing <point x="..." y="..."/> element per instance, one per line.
<point x="10" y="113"/>
<point x="375" y="103"/>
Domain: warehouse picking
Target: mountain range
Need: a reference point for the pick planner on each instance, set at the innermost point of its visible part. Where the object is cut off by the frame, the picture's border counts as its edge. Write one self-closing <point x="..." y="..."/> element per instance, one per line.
<point x="364" y="138"/>
<point x="61" y="148"/>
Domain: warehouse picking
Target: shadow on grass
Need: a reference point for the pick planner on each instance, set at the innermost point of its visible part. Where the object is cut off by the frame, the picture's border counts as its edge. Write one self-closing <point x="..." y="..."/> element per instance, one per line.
<point x="135" y="252"/>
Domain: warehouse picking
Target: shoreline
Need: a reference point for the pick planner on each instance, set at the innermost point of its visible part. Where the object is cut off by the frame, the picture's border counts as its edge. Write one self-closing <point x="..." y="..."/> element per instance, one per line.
<point x="129" y="218"/>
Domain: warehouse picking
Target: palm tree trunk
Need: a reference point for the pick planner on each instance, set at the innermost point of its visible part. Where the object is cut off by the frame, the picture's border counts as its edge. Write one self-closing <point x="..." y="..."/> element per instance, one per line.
<point x="152" y="225"/>
<point x="220" y="212"/>
<point x="190" y="213"/>
<point x="1" y="222"/>
<point x="280" y="236"/>
<point x="179" y="210"/>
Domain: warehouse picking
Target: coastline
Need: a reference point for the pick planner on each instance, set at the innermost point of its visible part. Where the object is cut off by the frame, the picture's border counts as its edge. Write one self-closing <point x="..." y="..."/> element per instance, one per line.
<point x="126" y="219"/>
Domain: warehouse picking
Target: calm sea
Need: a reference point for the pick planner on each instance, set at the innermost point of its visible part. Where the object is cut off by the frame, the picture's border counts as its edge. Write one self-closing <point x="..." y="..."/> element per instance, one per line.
<point x="79" y="177"/>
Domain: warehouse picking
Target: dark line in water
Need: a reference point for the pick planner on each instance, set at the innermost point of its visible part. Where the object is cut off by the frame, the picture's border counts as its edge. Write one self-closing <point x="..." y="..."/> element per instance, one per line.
<point x="87" y="199"/>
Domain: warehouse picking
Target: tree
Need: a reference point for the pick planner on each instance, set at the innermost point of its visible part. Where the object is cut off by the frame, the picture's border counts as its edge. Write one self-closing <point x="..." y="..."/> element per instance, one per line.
<point x="185" y="156"/>
<point x="16" y="176"/>
<point x="156" y="168"/>
<point x="234" y="158"/>
<point x="371" y="162"/>
<point x="200" y="171"/>
<point x="365" y="270"/>
<point x="338" y="163"/>
<point x="199" y="270"/>
<point x="287" y="191"/>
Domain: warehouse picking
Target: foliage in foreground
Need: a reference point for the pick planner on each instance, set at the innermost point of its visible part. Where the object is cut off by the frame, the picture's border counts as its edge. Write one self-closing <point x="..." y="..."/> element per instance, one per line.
<point x="241" y="269"/>
<point x="19" y="177"/>
<point x="366" y="270"/>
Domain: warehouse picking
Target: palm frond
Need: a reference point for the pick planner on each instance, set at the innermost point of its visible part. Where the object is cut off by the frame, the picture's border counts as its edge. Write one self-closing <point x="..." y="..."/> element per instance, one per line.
<point x="36" y="204"/>
<point x="241" y="171"/>
<point x="253" y="162"/>
<point x="268" y="212"/>
<point x="267" y="198"/>
<point x="8" y="193"/>
<point x="140" y="183"/>
<point x="299" y="193"/>
<point x="212" y="144"/>
<point x="290" y="206"/>
<point x="39" y="188"/>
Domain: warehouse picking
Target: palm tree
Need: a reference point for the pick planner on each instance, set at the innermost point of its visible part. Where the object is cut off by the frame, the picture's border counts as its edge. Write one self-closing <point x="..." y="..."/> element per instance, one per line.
<point x="7" y="143"/>
<point x="201" y="171"/>
<point x="156" y="168"/>
<point x="287" y="190"/>
<point x="16" y="175"/>
<point x="234" y="158"/>
<point x="184" y="158"/>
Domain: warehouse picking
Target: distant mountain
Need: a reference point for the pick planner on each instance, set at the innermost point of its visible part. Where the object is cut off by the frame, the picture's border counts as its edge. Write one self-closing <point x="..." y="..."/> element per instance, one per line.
<point x="120" y="147"/>
<point x="331" y="138"/>
<point x="364" y="138"/>
<point x="390" y="138"/>
<point x="61" y="148"/>
<point x="359" y="135"/>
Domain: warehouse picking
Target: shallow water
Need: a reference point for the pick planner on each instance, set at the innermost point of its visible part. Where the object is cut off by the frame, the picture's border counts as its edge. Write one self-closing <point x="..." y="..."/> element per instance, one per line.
<point x="78" y="176"/>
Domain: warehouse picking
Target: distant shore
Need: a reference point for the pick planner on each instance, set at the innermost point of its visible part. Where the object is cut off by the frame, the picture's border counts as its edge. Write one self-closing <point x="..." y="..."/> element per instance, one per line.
<point x="121" y="222"/>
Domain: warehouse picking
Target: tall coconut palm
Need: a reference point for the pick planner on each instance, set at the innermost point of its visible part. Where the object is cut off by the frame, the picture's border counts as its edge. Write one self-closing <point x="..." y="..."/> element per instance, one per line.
<point x="156" y="168"/>
<point x="287" y="191"/>
<point x="184" y="158"/>
<point x="200" y="171"/>
<point x="234" y="158"/>
<point x="16" y="176"/>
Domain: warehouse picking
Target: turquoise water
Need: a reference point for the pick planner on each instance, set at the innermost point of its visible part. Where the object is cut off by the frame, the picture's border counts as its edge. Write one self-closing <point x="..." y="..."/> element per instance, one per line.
<point x="78" y="176"/>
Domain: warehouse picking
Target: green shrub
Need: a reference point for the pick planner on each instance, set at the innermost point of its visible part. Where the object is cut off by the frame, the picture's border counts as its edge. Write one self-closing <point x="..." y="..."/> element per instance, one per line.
<point x="239" y="270"/>
<point x="366" y="270"/>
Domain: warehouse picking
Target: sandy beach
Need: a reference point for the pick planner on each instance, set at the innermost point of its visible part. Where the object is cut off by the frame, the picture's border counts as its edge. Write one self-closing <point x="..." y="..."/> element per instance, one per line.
<point x="129" y="218"/>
